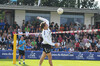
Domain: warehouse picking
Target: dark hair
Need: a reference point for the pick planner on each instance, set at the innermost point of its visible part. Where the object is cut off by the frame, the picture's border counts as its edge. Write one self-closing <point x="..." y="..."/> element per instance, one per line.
<point x="42" y="25"/>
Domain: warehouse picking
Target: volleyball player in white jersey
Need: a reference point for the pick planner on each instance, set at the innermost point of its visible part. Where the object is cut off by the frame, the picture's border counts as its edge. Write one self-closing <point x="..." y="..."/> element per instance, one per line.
<point x="47" y="41"/>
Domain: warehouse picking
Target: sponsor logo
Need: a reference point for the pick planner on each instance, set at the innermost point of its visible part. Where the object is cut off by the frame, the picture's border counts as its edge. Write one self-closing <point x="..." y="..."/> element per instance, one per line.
<point x="10" y="53"/>
<point x="80" y="56"/>
<point x="98" y="55"/>
<point x="90" y="56"/>
<point x="70" y="54"/>
<point x="32" y="55"/>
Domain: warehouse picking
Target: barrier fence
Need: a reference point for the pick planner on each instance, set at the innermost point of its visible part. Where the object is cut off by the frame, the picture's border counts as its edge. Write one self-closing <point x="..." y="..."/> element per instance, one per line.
<point x="8" y="54"/>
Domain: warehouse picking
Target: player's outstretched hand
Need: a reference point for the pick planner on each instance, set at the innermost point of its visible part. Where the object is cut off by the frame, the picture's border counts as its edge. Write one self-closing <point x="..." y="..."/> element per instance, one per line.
<point x="56" y="45"/>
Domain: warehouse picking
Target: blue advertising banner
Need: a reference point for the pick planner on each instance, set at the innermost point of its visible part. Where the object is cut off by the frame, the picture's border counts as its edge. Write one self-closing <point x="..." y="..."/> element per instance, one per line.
<point x="8" y="54"/>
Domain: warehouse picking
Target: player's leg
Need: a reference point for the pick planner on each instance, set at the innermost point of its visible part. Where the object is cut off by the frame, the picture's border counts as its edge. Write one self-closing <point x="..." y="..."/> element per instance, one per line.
<point x="50" y="58"/>
<point x="19" y="59"/>
<point x="42" y="58"/>
<point x="23" y="53"/>
<point x="23" y="59"/>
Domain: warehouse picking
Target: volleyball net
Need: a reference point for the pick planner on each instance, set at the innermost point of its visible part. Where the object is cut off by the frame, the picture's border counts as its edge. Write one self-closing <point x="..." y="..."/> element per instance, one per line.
<point x="59" y="32"/>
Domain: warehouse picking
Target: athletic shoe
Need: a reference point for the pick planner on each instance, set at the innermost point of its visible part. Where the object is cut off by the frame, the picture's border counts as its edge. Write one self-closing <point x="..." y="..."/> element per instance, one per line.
<point x="23" y="62"/>
<point x="19" y="62"/>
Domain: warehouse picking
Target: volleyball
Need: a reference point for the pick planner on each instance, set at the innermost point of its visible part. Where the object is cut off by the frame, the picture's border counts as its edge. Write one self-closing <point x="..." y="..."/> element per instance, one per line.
<point x="60" y="11"/>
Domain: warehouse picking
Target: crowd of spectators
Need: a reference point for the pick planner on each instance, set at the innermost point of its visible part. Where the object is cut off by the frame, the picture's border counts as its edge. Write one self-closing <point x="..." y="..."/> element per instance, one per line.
<point x="70" y="42"/>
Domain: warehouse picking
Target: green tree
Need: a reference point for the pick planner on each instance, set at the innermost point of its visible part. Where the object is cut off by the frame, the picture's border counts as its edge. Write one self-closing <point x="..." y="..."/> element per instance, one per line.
<point x="89" y="4"/>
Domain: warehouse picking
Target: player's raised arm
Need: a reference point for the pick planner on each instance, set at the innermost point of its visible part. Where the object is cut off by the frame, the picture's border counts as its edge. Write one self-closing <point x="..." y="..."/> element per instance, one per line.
<point x="44" y="20"/>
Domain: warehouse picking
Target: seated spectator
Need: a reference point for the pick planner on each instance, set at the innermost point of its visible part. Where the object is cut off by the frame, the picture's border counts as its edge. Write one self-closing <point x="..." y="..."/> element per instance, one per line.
<point x="66" y="29"/>
<point x="20" y="33"/>
<point x="77" y="45"/>
<point x="63" y="43"/>
<point x="62" y="48"/>
<point x="36" y="48"/>
<point x="56" y="49"/>
<point x="85" y="39"/>
<point x="28" y="47"/>
<point x="53" y="30"/>
<point x="90" y="40"/>
<point x="14" y="25"/>
<point x="80" y="49"/>
<point x="81" y="43"/>
<point x="0" y="47"/>
<point x="3" y="40"/>
<point x="39" y="43"/>
<point x="32" y="29"/>
<point x="91" y="50"/>
<point x="98" y="46"/>
<point x="14" y="32"/>
<point x="29" y="24"/>
<point x="66" y="48"/>
<point x="87" y="45"/>
<point x="71" y="49"/>
<point x="77" y="36"/>
<point x="98" y="36"/>
<point x="0" y="39"/>
<point x="93" y="44"/>
<point x="2" y="24"/>
<point x="56" y="26"/>
<point x="27" y="33"/>
<point x="9" y="47"/>
<point x="61" y="28"/>
<point x="34" y="43"/>
<point x="51" y="25"/>
<point x="23" y="28"/>
<point x="60" y="38"/>
<point x="27" y="29"/>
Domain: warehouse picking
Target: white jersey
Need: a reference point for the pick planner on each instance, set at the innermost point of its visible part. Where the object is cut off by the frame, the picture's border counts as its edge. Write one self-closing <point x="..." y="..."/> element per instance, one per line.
<point x="46" y="34"/>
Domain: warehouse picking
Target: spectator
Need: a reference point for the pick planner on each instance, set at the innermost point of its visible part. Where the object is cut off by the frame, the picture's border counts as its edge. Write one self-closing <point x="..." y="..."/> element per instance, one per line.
<point x="98" y="36"/>
<point x="63" y="43"/>
<point x="71" y="49"/>
<point x="9" y="47"/>
<point x="34" y="43"/>
<point x="2" y="24"/>
<point x="14" y="32"/>
<point x="39" y="43"/>
<point x="27" y="33"/>
<point x="20" y="33"/>
<point x="80" y="49"/>
<point x="53" y="30"/>
<point x="51" y="25"/>
<point x="98" y="46"/>
<point x="61" y="28"/>
<point x="28" y="47"/>
<point x="23" y="28"/>
<point x="56" y="26"/>
<point x="77" y="45"/>
<point x="93" y="44"/>
<point x="11" y="29"/>
<point x="0" y="47"/>
<point x="77" y="36"/>
<point x="27" y="28"/>
<point x="32" y="28"/>
<point x="29" y="24"/>
<point x="91" y="50"/>
<point x="60" y="38"/>
<point x="87" y="45"/>
<point x="14" y="25"/>
<point x="90" y="40"/>
<point x="85" y="39"/>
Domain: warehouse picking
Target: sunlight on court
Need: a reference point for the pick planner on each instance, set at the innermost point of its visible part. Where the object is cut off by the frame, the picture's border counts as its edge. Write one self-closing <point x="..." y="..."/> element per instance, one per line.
<point x="31" y="62"/>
